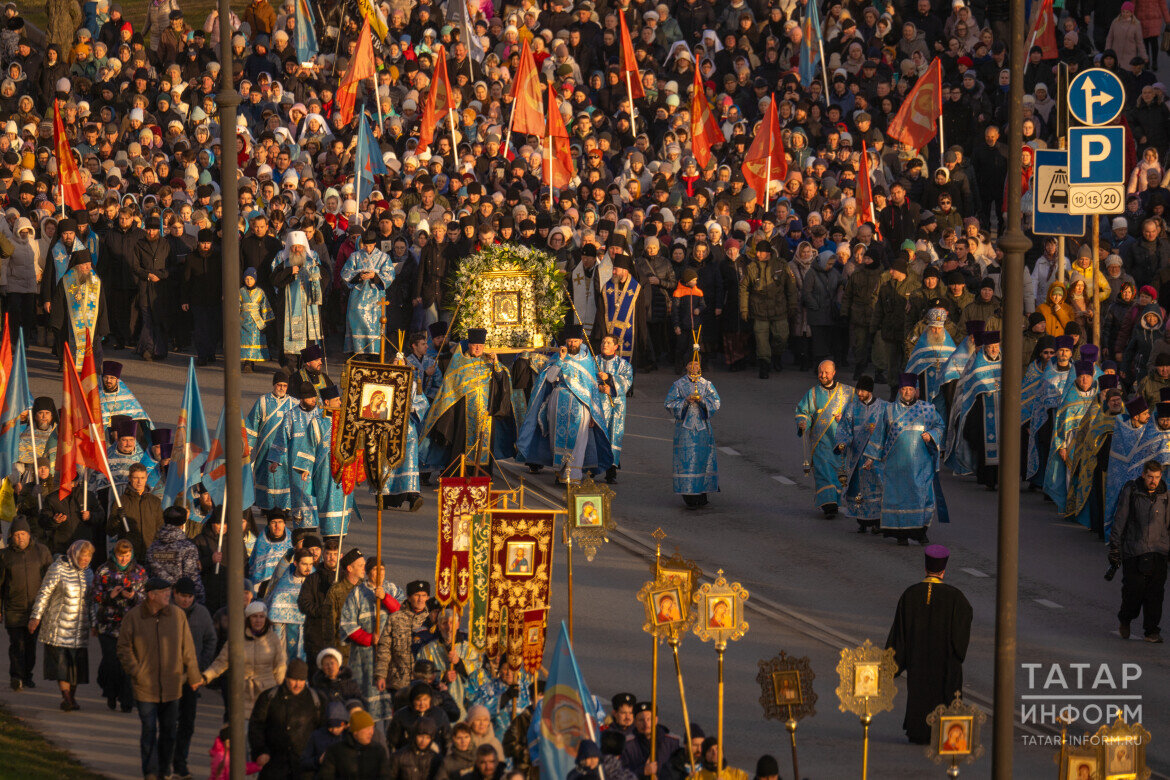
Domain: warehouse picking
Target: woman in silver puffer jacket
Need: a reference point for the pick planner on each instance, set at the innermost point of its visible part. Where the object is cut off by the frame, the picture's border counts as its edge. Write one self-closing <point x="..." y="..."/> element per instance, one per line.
<point x="61" y="611"/>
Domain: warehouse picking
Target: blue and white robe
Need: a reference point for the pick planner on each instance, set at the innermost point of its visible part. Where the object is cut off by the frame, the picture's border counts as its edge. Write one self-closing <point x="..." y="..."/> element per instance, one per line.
<point x="261" y="425"/>
<point x="928" y="361"/>
<point x="122" y="402"/>
<point x="1064" y="430"/>
<point x="302" y="303"/>
<point x="333" y="505"/>
<point x="621" y="375"/>
<point x="1030" y="391"/>
<point x="265" y="554"/>
<point x="1129" y="450"/>
<point x="959" y="360"/>
<point x="358" y="613"/>
<point x="430" y="384"/>
<point x="1053" y="383"/>
<point x="120" y="467"/>
<point x="981" y="379"/>
<point x="911" y="495"/>
<point x="363" y="317"/>
<point x="694" y="469"/>
<point x="404" y="479"/>
<point x="295" y="451"/>
<point x="61" y="257"/>
<point x="255" y="315"/>
<point x="536" y="362"/>
<point x="46" y="444"/>
<point x="286" y="616"/>
<point x="566" y="406"/>
<point x="862" y="493"/>
<point x="463" y="690"/>
<point x="820" y="410"/>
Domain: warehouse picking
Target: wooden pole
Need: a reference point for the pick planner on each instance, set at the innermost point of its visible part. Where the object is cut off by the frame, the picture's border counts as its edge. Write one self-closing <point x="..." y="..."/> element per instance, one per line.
<point x="674" y="642"/>
<point x="719" y="758"/>
<point x="790" y="724"/>
<point x="654" y="701"/>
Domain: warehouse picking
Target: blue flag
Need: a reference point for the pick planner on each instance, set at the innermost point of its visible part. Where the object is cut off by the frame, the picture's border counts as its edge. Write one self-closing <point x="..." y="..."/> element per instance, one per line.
<point x="192" y="443"/>
<point x="368" y="161"/>
<point x="564" y="716"/>
<point x="810" y="48"/>
<point x="17" y="401"/>
<point x="306" y="42"/>
<point x="215" y="469"/>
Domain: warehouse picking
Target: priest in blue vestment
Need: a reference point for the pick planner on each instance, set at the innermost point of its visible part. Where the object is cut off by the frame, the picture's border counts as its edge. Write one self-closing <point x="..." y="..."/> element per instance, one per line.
<point x="907" y="442"/>
<point x="261" y="426"/>
<point x="1078" y="396"/>
<point x="817" y="415"/>
<point x="614" y="377"/>
<point x="973" y="434"/>
<point x="369" y="273"/>
<point x="862" y="491"/>
<point x="565" y="424"/>
<point x="692" y="401"/>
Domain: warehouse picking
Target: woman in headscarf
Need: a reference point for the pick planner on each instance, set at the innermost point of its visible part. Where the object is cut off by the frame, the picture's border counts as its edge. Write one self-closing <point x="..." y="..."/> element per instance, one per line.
<point x="482" y="731"/>
<point x="62" y="610"/>
<point x="117" y="587"/>
<point x="24" y="277"/>
<point x="264" y="657"/>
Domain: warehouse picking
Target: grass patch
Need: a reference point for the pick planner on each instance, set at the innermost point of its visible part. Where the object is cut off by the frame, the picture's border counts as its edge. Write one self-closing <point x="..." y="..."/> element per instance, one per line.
<point x="37" y="758"/>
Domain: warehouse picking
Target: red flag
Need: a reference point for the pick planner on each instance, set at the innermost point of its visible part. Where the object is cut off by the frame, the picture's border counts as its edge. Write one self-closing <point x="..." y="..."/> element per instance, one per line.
<point x="527" y="111"/>
<point x="348" y="476"/>
<point x="90" y="382"/>
<point x="556" y="145"/>
<point x="916" y="122"/>
<point x="79" y="443"/>
<point x="440" y="100"/>
<point x="67" y="173"/>
<point x="864" y="190"/>
<point x="764" y="161"/>
<point x="361" y="68"/>
<point x="629" y="65"/>
<point x="705" y="130"/>
<point x="1043" y="31"/>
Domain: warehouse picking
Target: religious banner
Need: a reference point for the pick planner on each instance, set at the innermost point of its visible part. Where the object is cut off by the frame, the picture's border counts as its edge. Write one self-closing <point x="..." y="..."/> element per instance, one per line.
<point x="481" y="545"/>
<point x="520" y="564"/>
<point x="462" y="501"/>
<point x="535" y="634"/>
<point x="375" y="410"/>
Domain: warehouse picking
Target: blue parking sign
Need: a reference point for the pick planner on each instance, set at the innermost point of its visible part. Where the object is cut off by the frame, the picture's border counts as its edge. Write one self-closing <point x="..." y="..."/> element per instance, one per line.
<point x="1096" y="155"/>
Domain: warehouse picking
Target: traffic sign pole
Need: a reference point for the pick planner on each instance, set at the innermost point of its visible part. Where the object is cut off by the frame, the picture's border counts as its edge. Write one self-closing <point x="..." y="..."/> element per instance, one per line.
<point x="1059" y="239"/>
<point x="1096" y="238"/>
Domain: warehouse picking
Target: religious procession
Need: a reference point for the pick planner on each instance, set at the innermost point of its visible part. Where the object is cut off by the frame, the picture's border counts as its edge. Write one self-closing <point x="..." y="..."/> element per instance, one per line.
<point x="493" y="284"/>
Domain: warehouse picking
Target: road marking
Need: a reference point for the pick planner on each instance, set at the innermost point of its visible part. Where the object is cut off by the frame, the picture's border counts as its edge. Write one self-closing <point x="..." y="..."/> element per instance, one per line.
<point x="974" y="572"/>
<point x="643" y="436"/>
<point x="783" y="480"/>
<point x="1047" y="603"/>
<point x="729" y="450"/>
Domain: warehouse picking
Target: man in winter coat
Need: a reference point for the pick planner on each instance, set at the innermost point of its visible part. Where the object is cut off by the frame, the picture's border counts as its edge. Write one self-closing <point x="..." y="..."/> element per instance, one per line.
<point x="23" y="564"/>
<point x="1139" y="542"/>
<point x="320" y="629"/>
<point x="861" y="290"/>
<point x="202" y="295"/>
<point x="1149" y="254"/>
<point x="204" y="637"/>
<point x="172" y="555"/>
<point x="417" y="760"/>
<point x="282" y="722"/>
<point x="767" y="297"/>
<point x="140" y="516"/>
<point x="115" y="268"/>
<point x="357" y="756"/>
<point x="889" y="318"/>
<point x="157" y="651"/>
<point x="899" y="221"/>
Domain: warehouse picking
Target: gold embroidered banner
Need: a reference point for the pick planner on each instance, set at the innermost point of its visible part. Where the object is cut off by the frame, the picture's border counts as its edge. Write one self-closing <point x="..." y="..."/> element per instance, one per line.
<point x="520" y="561"/>
<point x="535" y="633"/>
<point x="462" y="501"/>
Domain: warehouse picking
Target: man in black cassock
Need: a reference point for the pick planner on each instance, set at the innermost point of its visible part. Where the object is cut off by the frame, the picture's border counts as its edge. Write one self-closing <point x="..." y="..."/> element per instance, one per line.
<point x="930" y="634"/>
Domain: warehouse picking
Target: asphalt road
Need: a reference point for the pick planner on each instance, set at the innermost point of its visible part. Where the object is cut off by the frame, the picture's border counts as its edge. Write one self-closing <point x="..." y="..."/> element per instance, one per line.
<point x="816" y="586"/>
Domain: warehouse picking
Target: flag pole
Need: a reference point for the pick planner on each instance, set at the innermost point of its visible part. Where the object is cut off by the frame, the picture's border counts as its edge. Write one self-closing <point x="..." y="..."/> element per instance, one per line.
<point x="768" y="175"/>
<point x="32" y="435"/>
<point x="378" y="101"/>
<point x="508" y="135"/>
<point x="633" y="108"/>
<point x="550" y="170"/>
<point x="824" y="72"/>
<point x="222" y="525"/>
<point x="454" y="139"/>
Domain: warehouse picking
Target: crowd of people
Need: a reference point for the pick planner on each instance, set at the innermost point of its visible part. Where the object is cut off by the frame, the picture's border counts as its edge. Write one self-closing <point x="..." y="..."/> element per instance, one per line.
<point x="667" y="261"/>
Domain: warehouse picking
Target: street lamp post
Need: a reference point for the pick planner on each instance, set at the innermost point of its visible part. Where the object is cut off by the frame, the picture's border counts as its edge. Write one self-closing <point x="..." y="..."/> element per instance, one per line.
<point x="1014" y="243"/>
<point x="228" y="99"/>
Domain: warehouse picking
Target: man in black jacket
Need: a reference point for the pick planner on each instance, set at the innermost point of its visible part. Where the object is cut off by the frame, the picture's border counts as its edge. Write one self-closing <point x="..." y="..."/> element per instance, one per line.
<point x="417" y="760"/>
<point x="1139" y="542"/>
<point x="356" y="756"/>
<point x="257" y="250"/>
<point x="115" y="269"/>
<point x="320" y="630"/>
<point x="282" y="722"/>
<point x="202" y="295"/>
<point x="990" y="161"/>
<point x="22" y="567"/>
<point x="151" y="261"/>
<point x="899" y="222"/>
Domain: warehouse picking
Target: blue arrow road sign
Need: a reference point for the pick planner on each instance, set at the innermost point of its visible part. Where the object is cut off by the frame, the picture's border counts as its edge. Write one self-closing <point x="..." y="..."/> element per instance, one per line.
<point x="1096" y="96"/>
